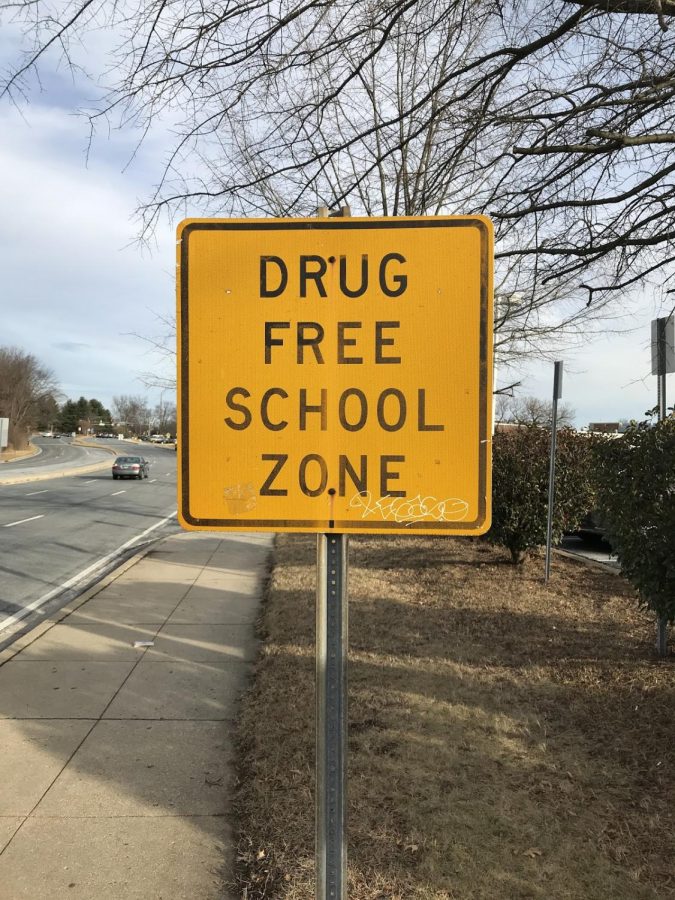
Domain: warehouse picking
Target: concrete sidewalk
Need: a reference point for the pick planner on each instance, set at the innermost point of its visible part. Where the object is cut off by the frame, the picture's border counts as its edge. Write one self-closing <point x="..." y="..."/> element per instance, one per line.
<point x="115" y="759"/>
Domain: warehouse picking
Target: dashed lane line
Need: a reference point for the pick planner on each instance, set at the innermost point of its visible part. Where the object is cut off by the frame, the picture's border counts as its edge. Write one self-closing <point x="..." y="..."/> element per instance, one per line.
<point x="21" y="521"/>
<point x="33" y="493"/>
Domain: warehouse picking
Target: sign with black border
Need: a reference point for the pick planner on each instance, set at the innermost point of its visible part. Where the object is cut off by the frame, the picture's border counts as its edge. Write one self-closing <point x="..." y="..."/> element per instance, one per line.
<point x="335" y="374"/>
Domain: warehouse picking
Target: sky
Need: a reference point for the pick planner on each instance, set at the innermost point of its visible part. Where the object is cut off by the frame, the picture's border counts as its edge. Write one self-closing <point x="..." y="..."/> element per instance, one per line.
<point x="78" y="290"/>
<point x="85" y="298"/>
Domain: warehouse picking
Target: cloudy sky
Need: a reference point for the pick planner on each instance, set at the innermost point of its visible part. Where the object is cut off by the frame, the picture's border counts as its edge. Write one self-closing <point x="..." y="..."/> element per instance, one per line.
<point x="80" y="294"/>
<point x="77" y="286"/>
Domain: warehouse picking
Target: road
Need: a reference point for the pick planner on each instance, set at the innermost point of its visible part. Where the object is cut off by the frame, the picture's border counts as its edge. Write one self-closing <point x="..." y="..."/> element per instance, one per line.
<point x="60" y="534"/>
<point x="59" y="454"/>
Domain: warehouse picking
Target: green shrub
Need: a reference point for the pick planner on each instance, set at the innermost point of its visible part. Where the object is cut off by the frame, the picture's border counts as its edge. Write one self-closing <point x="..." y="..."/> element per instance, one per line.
<point x="520" y="474"/>
<point x="636" y="503"/>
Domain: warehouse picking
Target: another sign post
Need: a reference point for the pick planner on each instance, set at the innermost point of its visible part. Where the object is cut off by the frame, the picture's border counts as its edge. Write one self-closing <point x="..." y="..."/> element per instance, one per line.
<point x="663" y="362"/>
<point x="557" y="394"/>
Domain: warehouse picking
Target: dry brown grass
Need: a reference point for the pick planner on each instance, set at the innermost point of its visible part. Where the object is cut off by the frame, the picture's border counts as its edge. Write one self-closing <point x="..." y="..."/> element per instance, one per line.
<point x="10" y="455"/>
<point x="507" y="739"/>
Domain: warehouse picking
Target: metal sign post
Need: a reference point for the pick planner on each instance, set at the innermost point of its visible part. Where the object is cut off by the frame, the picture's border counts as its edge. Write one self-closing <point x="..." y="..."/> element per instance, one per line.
<point x="332" y="624"/>
<point x="331" y="717"/>
<point x="663" y="361"/>
<point x="557" y="394"/>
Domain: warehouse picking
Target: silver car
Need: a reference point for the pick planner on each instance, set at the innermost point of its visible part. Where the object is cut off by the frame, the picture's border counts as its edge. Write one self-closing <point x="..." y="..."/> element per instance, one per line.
<point x="130" y="467"/>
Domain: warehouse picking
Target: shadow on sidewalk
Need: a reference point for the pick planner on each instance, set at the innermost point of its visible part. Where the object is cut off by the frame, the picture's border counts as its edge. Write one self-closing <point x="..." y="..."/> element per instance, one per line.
<point x="116" y="726"/>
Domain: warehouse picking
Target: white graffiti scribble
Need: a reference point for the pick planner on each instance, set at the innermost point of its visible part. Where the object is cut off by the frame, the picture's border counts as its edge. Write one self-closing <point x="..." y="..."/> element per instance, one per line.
<point x="410" y="510"/>
<point x="240" y="498"/>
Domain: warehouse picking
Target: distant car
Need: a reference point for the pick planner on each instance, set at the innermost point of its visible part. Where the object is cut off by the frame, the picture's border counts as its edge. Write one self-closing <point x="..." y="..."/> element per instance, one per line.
<point x="592" y="527"/>
<point x="130" y="467"/>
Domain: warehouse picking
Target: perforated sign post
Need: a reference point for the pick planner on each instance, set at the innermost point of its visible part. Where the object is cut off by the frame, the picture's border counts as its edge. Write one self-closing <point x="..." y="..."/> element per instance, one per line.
<point x="335" y="374"/>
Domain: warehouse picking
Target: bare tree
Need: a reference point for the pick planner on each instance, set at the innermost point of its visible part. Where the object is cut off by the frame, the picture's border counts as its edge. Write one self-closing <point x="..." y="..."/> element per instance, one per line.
<point x="532" y="411"/>
<point x="164" y="418"/>
<point x="555" y="118"/>
<point x="27" y="390"/>
<point x="133" y="412"/>
<point x="161" y="345"/>
<point x="409" y="135"/>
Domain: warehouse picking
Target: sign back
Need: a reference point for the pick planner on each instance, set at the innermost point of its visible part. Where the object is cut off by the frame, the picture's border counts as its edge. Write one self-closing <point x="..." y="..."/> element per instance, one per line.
<point x="335" y="374"/>
<point x="663" y="345"/>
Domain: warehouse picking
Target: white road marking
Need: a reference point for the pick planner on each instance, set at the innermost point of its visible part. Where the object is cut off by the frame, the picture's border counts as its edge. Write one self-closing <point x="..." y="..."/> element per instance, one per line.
<point x="152" y="481"/>
<point x="36" y="604"/>
<point x="21" y="521"/>
<point x="117" y="493"/>
<point x="91" y="481"/>
<point x="33" y="493"/>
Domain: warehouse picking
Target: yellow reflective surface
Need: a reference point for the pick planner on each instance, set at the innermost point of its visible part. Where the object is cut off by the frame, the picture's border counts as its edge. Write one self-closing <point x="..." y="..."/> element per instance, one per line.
<point x="335" y="373"/>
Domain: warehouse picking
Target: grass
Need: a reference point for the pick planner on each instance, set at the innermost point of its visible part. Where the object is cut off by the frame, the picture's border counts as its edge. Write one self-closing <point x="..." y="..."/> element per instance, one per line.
<point x="8" y="455"/>
<point x="507" y="739"/>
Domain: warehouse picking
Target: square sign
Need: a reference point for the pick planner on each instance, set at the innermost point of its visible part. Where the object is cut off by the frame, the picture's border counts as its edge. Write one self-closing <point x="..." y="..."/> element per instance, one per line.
<point x="335" y="374"/>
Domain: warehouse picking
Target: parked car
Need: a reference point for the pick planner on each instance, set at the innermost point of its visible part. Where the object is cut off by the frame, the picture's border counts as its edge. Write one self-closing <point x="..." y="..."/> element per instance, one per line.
<point x="592" y="527"/>
<point x="130" y="467"/>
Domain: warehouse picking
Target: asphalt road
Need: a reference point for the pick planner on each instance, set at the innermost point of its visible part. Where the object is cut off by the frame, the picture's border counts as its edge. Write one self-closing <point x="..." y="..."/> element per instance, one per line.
<point x="61" y="534"/>
<point x="58" y="453"/>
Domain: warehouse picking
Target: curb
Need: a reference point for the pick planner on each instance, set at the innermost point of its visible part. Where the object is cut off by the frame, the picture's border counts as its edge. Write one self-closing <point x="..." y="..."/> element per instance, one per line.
<point x="594" y="563"/>
<point x="41" y="628"/>
<point x="82" y="470"/>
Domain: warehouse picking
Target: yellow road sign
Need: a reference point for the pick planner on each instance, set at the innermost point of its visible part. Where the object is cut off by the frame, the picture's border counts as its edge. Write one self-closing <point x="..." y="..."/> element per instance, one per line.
<point x="335" y="374"/>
